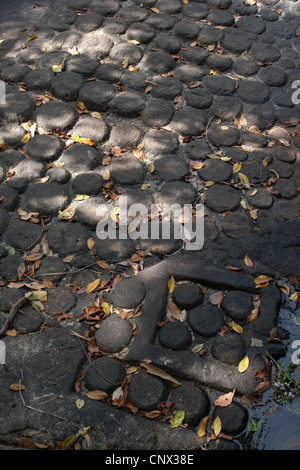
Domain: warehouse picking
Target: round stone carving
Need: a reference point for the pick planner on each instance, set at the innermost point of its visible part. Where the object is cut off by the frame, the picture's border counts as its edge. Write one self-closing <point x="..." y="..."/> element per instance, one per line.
<point x="114" y="334"/>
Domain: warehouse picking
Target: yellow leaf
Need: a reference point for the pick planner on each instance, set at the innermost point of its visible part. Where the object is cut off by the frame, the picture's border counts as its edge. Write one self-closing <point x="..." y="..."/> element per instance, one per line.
<point x="82" y="140"/>
<point x="106" y="175"/>
<point x="57" y="68"/>
<point x="131" y="369"/>
<point x="95" y="114"/>
<point x="294" y="296"/>
<point x="217" y="425"/>
<point x="193" y="44"/>
<point x="92" y="285"/>
<point x="243" y="204"/>
<point x="25" y="138"/>
<point x="32" y="36"/>
<point x="248" y="261"/>
<point x="90" y="243"/>
<point x="155" y="10"/>
<point x="69" y="258"/>
<point x="11" y="332"/>
<point x="237" y="328"/>
<point x="106" y="307"/>
<point x="244" y="364"/>
<point x="145" y="186"/>
<point x="262" y="279"/>
<point x="148" y="89"/>
<point x="201" y="429"/>
<point x="171" y="285"/>
<point x="151" y="168"/>
<point x="133" y="41"/>
<point x="81" y="197"/>
<point x="125" y="63"/>
<point x="243" y="178"/>
<point x="212" y="72"/>
<point x="79" y="403"/>
<point x="81" y="105"/>
<point x="236" y="167"/>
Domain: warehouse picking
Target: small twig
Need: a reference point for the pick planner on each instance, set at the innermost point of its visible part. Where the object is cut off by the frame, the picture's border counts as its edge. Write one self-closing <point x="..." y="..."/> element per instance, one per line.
<point x="14" y="309"/>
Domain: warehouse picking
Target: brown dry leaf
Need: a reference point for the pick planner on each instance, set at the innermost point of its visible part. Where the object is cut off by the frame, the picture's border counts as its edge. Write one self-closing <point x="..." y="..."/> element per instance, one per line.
<point x="244" y="364"/>
<point x="262" y="281"/>
<point x="34" y="256"/>
<point x="174" y="310"/>
<point x="233" y="268"/>
<point x="196" y="165"/>
<point x="217" y="426"/>
<point x="225" y="400"/>
<point x="152" y="414"/>
<point x="68" y="258"/>
<point x="96" y="395"/>
<point x="150" y="369"/>
<point x="17" y="387"/>
<point x="284" y="287"/>
<point x="216" y="298"/>
<point x="171" y="285"/>
<point x="92" y="286"/>
<point x="67" y="214"/>
<point x="248" y="261"/>
<point x="201" y="429"/>
<point x="11" y="332"/>
<point x="21" y="271"/>
<point x="292" y="280"/>
<point x="28" y="443"/>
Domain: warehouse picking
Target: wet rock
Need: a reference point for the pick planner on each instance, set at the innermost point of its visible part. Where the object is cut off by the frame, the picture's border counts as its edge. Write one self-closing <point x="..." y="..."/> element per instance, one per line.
<point x="114" y="334"/>
<point x="105" y="373"/>
<point x="147" y="391"/>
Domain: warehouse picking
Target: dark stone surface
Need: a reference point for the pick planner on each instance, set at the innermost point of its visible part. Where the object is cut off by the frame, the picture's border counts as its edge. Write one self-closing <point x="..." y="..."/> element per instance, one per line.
<point x="238" y="305"/>
<point x="44" y="147"/>
<point x="175" y="336"/>
<point x="147" y="391"/>
<point x="105" y="373"/>
<point x="229" y="348"/>
<point x="114" y="334"/>
<point x="187" y="295"/>
<point x="234" y="417"/>
<point x="205" y="320"/>
<point x="194" y="401"/>
<point x="128" y="293"/>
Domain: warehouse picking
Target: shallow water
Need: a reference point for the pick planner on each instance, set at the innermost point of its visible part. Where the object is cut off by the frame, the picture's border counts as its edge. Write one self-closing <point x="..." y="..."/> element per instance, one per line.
<point x="279" y="424"/>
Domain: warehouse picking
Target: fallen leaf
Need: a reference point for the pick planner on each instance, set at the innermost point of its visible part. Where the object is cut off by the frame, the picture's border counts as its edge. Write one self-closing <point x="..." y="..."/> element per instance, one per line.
<point x="150" y="369"/>
<point x="79" y="403"/>
<point x="237" y="328"/>
<point x="92" y="286"/>
<point x="152" y="414"/>
<point x="201" y="429"/>
<point x="225" y="400"/>
<point x="17" y="387"/>
<point x="177" y="419"/>
<point x="34" y="256"/>
<point x="155" y="10"/>
<point x="57" y="68"/>
<point x="216" y="298"/>
<point x="244" y="364"/>
<point x="171" y="285"/>
<point x="293" y="297"/>
<point x="90" y="243"/>
<point x="236" y="167"/>
<point x="248" y="261"/>
<point x="95" y="114"/>
<point x="96" y="395"/>
<point x="217" y="426"/>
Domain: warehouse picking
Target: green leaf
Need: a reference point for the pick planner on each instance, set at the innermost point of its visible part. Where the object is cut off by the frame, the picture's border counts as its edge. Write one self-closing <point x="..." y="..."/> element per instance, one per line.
<point x="177" y="419"/>
<point x="257" y="343"/>
<point x="255" y="426"/>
